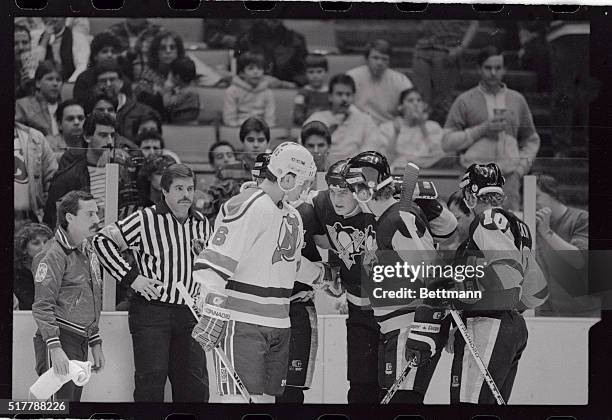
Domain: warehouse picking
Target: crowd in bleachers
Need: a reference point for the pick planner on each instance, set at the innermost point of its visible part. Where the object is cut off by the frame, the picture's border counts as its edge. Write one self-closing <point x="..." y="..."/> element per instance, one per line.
<point x="138" y="95"/>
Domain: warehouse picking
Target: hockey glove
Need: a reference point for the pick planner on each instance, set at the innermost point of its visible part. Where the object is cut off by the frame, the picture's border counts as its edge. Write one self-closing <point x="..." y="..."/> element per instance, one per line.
<point x="427" y="334"/>
<point x="210" y="329"/>
<point x="425" y="190"/>
<point x="332" y="284"/>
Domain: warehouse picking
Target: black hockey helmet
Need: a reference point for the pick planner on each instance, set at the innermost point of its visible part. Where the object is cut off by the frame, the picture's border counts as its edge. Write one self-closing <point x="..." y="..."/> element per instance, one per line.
<point x="334" y="174"/>
<point x="482" y="179"/>
<point x="367" y="172"/>
<point x="260" y="165"/>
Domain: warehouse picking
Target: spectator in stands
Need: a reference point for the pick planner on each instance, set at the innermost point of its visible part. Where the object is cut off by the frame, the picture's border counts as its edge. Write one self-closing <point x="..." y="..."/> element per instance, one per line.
<point x="249" y="95"/>
<point x="223" y="33"/>
<point x="316" y="138"/>
<point x="149" y="179"/>
<point x="351" y="129"/>
<point x="29" y="241"/>
<point x="109" y="81"/>
<point x="221" y="153"/>
<point x="149" y="83"/>
<point x="378" y="86"/>
<point x="562" y="246"/>
<point x="436" y="64"/>
<point x="573" y="87"/>
<point x="255" y="138"/>
<point x="78" y="168"/>
<point x="284" y="51"/>
<point x="25" y="62"/>
<point x="151" y="143"/>
<point x="135" y="36"/>
<point x="38" y="110"/>
<point x="493" y="123"/>
<point x="314" y="95"/>
<point x="534" y="54"/>
<point x="412" y="137"/>
<point x="67" y="46"/>
<point x="181" y="100"/>
<point x="70" y="117"/>
<point x="105" y="47"/>
<point x="106" y="104"/>
<point x="35" y="166"/>
<point x="149" y="122"/>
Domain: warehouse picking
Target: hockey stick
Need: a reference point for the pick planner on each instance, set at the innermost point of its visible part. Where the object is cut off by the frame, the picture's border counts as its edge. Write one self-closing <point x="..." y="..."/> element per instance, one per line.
<point x="220" y="353"/>
<point x="483" y="369"/>
<point x="398" y="382"/>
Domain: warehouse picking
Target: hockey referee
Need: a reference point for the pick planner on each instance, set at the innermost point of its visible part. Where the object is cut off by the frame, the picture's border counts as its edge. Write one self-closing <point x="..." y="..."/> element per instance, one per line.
<point x="164" y="239"/>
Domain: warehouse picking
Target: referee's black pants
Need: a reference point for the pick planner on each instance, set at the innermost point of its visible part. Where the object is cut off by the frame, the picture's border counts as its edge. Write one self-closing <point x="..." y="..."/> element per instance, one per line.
<point x="164" y="348"/>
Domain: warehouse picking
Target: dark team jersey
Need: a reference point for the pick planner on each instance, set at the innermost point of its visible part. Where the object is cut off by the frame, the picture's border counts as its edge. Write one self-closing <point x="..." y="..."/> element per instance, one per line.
<point x="353" y="239"/>
<point x="396" y="244"/>
<point x="302" y="291"/>
<point x="502" y="243"/>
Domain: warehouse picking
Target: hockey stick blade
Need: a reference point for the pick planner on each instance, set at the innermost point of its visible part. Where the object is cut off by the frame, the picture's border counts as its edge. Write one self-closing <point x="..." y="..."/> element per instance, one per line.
<point x="483" y="369"/>
<point x="220" y="353"/>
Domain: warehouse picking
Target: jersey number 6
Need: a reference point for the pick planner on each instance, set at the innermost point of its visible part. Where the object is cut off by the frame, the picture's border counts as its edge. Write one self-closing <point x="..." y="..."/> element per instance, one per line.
<point x="220" y="236"/>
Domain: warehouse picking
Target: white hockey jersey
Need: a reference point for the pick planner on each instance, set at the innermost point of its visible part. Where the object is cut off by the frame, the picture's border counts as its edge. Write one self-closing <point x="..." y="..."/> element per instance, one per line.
<point x="256" y="249"/>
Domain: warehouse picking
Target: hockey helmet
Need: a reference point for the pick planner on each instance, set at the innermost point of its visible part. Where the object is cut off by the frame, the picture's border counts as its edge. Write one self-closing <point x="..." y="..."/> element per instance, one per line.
<point x="366" y="173"/>
<point x="260" y="165"/>
<point x="482" y="179"/>
<point x="292" y="158"/>
<point x="334" y="177"/>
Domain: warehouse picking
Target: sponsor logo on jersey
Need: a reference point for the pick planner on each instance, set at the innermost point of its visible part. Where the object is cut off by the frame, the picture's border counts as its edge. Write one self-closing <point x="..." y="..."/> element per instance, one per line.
<point x="350" y="242"/>
<point x="288" y="236"/>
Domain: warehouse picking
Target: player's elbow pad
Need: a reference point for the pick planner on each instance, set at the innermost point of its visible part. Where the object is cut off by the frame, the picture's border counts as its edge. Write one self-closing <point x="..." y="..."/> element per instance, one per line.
<point x="209" y="280"/>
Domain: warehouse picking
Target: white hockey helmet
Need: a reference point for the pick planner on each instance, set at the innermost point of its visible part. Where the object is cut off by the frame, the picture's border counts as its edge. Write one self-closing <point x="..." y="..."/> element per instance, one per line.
<point x="292" y="158"/>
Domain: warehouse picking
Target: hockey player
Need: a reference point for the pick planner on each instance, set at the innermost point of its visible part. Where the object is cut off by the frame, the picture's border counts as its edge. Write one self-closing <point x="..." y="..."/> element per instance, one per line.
<point x="247" y="275"/>
<point x="369" y="178"/>
<point x="501" y="243"/>
<point x="351" y="234"/>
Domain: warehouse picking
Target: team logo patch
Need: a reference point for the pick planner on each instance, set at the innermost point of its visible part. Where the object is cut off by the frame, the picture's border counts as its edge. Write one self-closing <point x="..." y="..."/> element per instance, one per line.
<point x="455" y="382"/>
<point x="388" y="368"/>
<point x="288" y="236"/>
<point x="197" y="246"/>
<point x="296" y="365"/>
<point x="41" y="272"/>
<point x="350" y="242"/>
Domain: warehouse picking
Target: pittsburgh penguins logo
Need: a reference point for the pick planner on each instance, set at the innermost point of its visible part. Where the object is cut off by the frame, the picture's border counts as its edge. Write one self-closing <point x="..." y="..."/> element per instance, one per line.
<point x="350" y="242"/>
<point x="288" y="236"/>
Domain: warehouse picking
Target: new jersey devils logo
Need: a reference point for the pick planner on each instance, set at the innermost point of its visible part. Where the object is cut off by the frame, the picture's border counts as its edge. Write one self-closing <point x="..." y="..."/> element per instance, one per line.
<point x="350" y="242"/>
<point x="287" y="239"/>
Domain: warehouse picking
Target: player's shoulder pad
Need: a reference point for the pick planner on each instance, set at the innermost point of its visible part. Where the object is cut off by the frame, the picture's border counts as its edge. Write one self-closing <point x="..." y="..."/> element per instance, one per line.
<point x="239" y="204"/>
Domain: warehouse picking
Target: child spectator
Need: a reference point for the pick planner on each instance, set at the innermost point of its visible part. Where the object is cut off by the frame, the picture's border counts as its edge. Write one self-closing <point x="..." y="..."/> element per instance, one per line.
<point x="249" y="95"/>
<point x="29" y="241"/>
<point x="181" y="100"/>
<point x="312" y="97"/>
<point x="38" y="110"/>
<point x="412" y="137"/>
<point x="352" y="130"/>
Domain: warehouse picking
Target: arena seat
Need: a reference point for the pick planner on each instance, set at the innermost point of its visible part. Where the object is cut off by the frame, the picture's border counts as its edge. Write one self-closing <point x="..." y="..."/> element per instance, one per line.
<point x="190" y="142"/>
<point x="213" y="58"/>
<point x="190" y="29"/>
<point x="285" y="99"/>
<point x="211" y="104"/>
<point x="230" y="135"/>
<point x="341" y="63"/>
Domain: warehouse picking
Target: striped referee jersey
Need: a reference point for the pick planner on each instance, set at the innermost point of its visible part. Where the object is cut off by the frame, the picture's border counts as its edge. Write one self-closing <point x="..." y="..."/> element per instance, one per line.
<point x="164" y="248"/>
